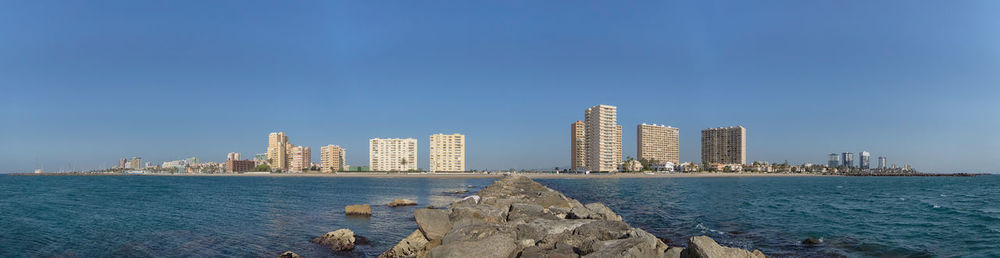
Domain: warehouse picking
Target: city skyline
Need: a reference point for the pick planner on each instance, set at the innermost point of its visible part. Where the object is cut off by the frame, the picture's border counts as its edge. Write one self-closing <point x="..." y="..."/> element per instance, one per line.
<point x="85" y="86"/>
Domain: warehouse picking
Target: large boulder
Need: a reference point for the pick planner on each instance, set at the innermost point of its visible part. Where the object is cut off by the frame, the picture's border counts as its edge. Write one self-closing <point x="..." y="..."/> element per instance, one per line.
<point x="604" y="211"/>
<point x="706" y="247"/>
<point x="434" y="224"/>
<point x="402" y="202"/>
<point x="339" y="240"/>
<point x="477" y="213"/>
<point x="478" y="240"/>
<point x="358" y="209"/>
<point x="415" y="245"/>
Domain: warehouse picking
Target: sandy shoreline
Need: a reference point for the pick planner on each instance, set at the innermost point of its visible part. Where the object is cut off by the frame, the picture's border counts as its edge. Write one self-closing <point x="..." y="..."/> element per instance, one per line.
<point x="530" y="175"/>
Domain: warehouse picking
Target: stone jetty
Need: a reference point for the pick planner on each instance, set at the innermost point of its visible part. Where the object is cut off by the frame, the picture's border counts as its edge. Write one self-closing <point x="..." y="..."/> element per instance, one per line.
<point x="518" y="217"/>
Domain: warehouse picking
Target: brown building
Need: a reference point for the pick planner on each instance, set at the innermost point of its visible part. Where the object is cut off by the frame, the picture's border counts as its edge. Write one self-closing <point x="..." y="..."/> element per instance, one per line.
<point x="658" y="142"/>
<point x="724" y="145"/>
<point x="578" y="146"/>
<point x="234" y="165"/>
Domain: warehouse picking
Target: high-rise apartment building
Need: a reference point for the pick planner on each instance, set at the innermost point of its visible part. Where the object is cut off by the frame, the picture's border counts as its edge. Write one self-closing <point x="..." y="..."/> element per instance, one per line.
<point x="122" y="163"/>
<point x="864" y="160"/>
<point x="578" y="146"/>
<point x="301" y="159"/>
<point x="724" y="145"/>
<point x="883" y="163"/>
<point x="658" y="142"/>
<point x="135" y="163"/>
<point x="604" y="140"/>
<point x="848" y="159"/>
<point x="278" y="149"/>
<point x="834" y="160"/>
<point x="332" y="158"/>
<point x="233" y="156"/>
<point x="447" y="153"/>
<point x="392" y="154"/>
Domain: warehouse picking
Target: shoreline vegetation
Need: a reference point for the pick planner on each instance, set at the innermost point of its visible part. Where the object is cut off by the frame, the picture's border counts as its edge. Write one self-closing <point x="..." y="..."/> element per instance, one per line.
<point x="499" y="175"/>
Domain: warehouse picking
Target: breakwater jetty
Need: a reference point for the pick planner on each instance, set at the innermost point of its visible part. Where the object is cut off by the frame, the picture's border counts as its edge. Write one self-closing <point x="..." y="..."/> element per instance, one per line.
<point x="518" y="217"/>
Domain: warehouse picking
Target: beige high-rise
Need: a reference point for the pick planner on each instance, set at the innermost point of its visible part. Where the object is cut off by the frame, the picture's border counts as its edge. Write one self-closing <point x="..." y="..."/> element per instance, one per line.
<point x="604" y="139"/>
<point x="724" y="145"/>
<point x="578" y="146"/>
<point x="392" y="154"/>
<point x="447" y="153"/>
<point x="301" y="159"/>
<point x="278" y="150"/>
<point x="658" y="142"/>
<point x="332" y="158"/>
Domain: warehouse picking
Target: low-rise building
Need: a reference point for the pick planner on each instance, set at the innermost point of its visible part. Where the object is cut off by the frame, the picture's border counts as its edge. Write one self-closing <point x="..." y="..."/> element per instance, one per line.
<point x="235" y="166"/>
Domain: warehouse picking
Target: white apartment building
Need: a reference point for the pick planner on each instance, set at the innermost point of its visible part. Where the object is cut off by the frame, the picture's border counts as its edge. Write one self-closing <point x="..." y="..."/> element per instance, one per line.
<point x="392" y="154"/>
<point x="604" y="138"/>
<point x="447" y="153"/>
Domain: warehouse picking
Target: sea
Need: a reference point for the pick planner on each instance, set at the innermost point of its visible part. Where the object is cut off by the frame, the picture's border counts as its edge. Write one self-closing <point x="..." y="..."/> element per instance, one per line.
<point x="184" y="216"/>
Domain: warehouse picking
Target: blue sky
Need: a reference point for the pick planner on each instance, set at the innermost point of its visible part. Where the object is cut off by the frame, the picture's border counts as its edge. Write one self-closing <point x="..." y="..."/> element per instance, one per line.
<point x="85" y="83"/>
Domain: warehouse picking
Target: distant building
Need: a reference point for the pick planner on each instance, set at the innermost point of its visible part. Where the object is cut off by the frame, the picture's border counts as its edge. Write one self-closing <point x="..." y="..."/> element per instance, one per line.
<point x="332" y="158"/>
<point x="122" y="163"/>
<point x="392" y="154"/>
<point x="233" y="155"/>
<point x="603" y="138"/>
<point x="235" y="165"/>
<point x="658" y="142"/>
<point x="848" y="159"/>
<point x="447" y="153"/>
<point x="578" y="146"/>
<point x="192" y="161"/>
<point x="135" y="163"/>
<point x="300" y="159"/>
<point x="883" y="163"/>
<point x="834" y="160"/>
<point x="278" y="150"/>
<point x="864" y="161"/>
<point x="724" y="145"/>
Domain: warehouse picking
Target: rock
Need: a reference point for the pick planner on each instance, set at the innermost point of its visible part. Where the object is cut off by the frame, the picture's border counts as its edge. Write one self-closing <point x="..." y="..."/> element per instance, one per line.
<point x="673" y="252"/>
<point x="402" y="202"/>
<point x="478" y="240"/>
<point x="469" y="186"/>
<point x="339" y="240"/>
<point x="604" y="211"/>
<point x="636" y="243"/>
<point x="473" y="214"/>
<point x="811" y="241"/>
<point x="706" y="247"/>
<point x="289" y="254"/>
<point x="434" y="224"/>
<point x="359" y="209"/>
<point x="603" y="230"/>
<point x="582" y="213"/>
<point x="414" y="245"/>
<point x="528" y="211"/>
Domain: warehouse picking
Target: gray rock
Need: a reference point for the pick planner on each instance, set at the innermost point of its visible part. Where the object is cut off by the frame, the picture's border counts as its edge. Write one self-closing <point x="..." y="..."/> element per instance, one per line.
<point x="414" y="245"/>
<point x="811" y="241"/>
<point x="603" y="230"/>
<point x="289" y="254"/>
<point x="434" y="224"/>
<point x="604" y="211"/>
<point x="706" y="247"/>
<point x="582" y="213"/>
<point x="558" y="252"/>
<point x="402" y="202"/>
<point x="478" y="240"/>
<point x="473" y="214"/>
<point x="339" y="240"/>
<point x="528" y="211"/>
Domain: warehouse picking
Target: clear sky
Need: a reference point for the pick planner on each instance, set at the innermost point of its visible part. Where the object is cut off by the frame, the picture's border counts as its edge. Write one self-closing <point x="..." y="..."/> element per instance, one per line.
<point x="84" y="83"/>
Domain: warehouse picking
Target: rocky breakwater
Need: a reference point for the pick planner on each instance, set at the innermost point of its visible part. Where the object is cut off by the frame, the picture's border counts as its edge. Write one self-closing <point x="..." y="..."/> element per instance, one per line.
<point x="518" y="217"/>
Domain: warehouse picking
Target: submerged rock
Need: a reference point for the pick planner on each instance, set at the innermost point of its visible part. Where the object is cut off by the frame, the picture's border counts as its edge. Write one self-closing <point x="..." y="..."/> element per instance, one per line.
<point x="706" y="247"/>
<point x="811" y="241"/>
<point x="402" y="202"/>
<point x="358" y="209"/>
<point x="339" y="240"/>
<point x="289" y="254"/>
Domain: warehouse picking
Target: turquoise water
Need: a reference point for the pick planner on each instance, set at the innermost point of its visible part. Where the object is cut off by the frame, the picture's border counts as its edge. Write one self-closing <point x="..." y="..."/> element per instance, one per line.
<point x="264" y="216"/>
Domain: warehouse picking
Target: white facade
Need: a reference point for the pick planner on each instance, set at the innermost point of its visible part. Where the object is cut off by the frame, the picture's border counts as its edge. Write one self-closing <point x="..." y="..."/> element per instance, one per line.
<point x="392" y="154"/>
<point x="604" y="140"/>
<point x="447" y="153"/>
